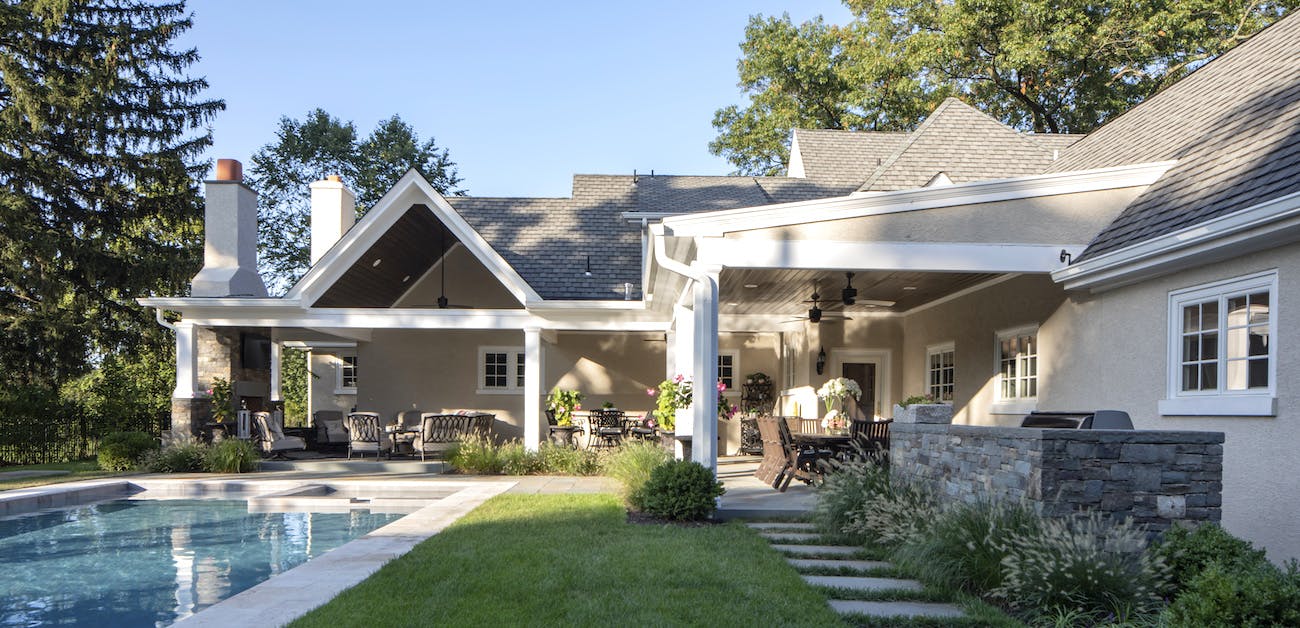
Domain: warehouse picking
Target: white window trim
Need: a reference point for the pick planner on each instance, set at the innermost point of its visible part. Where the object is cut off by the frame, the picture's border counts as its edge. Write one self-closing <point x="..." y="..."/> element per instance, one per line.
<point x="930" y="351"/>
<point x="339" y="388"/>
<point x="1261" y="402"/>
<point x="1018" y="405"/>
<point x="737" y="377"/>
<point x="512" y="384"/>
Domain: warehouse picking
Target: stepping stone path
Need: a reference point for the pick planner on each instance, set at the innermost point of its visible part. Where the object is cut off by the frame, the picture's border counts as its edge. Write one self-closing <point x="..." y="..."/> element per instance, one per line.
<point x="797" y="542"/>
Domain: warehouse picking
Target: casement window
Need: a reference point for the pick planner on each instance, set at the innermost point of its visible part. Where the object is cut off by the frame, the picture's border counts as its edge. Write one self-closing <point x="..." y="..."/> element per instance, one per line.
<point x="940" y="371"/>
<point x="346" y="382"/>
<point x="500" y="370"/>
<point x="1222" y="348"/>
<point x="728" y="364"/>
<point x="1016" y="353"/>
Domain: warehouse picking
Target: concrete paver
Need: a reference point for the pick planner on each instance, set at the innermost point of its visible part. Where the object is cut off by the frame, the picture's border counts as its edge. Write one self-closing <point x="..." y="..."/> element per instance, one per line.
<point x="826" y="563"/>
<point x="859" y="583"/>
<point x="815" y="550"/>
<point x="896" y="609"/>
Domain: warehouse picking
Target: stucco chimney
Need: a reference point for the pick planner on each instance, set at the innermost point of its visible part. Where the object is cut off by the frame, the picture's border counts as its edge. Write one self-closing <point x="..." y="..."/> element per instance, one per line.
<point x="229" y="237"/>
<point x="333" y="211"/>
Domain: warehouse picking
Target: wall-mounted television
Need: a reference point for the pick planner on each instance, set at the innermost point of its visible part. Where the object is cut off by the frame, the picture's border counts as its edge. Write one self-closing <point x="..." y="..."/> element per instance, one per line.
<point x="255" y="351"/>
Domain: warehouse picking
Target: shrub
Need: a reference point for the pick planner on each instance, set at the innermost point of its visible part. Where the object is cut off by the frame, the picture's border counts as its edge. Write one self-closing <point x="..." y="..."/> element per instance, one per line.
<point x="1188" y="551"/>
<point x="186" y="458"/>
<point x="232" y="455"/>
<point x="1249" y="594"/>
<point x="682" y="491"/>
<point x="516" y="460"/>
<point x="123" y="451"/>
<point x="1085" y="565"/>
<point x="966" y="545"/>
<point x="562" y="460"/>
<point x="476" y="455"/>
<point x="900" y="513"/>
<point x="846" y="488"/>
<point x="632" y="464"/>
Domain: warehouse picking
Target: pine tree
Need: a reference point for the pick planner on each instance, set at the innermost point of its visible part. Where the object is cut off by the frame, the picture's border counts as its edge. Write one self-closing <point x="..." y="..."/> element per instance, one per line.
<point x="101" y="143"/>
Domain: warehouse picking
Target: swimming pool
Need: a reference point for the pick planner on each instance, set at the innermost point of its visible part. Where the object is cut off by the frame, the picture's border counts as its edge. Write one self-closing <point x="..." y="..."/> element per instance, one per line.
<point x="151" y="562"/>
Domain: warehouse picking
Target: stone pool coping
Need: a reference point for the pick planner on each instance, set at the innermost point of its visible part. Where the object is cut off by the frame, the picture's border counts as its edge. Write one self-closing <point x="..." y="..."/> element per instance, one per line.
<point x="290" y="595"/>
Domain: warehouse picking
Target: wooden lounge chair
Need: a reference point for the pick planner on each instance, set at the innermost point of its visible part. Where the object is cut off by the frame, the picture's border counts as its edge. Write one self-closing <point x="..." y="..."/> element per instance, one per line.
<point x="783" y="461"/>
<point x="871" y="437"/>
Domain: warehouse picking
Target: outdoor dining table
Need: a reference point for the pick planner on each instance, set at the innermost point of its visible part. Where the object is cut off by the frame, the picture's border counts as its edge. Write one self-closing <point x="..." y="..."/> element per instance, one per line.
<point x="832" y="444"/>
<point x="394" y="431"/>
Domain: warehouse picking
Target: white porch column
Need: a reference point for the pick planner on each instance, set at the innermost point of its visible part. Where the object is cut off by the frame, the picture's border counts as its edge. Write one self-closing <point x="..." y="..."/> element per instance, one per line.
<point x="682" y="362"/>
<point x="532" y="388"/>
<point x="187" y="353"/>
<point x="276" y="397"/>
<point x="704" y="437"/>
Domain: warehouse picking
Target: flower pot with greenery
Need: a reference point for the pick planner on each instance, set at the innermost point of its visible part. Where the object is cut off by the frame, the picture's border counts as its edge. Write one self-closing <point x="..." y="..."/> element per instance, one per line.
<point x="562" y="404"/>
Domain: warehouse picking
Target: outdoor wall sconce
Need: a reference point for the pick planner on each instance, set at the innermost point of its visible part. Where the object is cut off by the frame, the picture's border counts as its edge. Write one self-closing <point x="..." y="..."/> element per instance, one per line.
<point x="821" y="360"/>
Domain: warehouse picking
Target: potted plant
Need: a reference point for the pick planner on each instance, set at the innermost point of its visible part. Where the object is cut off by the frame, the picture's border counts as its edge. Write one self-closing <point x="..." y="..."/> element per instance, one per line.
<point x="675" y="394"/>
<point x="561" y="404"/>
<point x="833" y="393"/>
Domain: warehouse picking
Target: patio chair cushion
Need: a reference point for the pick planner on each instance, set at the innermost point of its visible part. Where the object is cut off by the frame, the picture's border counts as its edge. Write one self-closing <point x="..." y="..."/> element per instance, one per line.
<point x="271" y="436"/>
<point x="329" y="427"/>
<point x="364" y="432"/>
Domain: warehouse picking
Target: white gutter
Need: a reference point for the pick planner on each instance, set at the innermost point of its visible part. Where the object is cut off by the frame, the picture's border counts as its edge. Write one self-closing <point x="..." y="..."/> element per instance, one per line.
<point x="670" y="264"/>
<point x="158" y="316"/>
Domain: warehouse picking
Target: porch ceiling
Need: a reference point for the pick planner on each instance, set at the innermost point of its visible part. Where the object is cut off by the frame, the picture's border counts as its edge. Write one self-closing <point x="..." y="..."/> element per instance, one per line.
<point x="782" y="292"/>
<point x="401" y="256"/>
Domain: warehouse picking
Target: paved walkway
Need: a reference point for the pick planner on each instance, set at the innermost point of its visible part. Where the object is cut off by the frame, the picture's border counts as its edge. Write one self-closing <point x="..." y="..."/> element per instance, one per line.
<point x="853" y="585"/>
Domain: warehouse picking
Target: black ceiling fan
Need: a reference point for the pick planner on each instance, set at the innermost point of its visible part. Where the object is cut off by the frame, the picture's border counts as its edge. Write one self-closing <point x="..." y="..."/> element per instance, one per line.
<point x="816" y="314"/>
<point x="443" y="302"/>
<point x="849" y="295"/>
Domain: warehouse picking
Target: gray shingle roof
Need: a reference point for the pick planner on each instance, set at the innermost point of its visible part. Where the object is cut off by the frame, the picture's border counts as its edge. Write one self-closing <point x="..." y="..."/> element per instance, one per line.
<point x="963" y="143"/>
<point x="1233" y="126"/>
<point x="844" y="157"/>
<point x="547" y="240"/>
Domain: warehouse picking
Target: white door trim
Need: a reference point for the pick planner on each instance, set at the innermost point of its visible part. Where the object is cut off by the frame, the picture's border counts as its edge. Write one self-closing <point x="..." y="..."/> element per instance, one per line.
<point x="882" y="358"/>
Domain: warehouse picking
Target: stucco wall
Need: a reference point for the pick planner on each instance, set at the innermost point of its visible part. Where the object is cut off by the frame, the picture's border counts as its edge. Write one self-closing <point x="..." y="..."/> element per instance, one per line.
<point x="971" y="323"/>
<point x="1065" y="219"/>
<point x="1115" y="356"/>
<point x="323" y="382"/>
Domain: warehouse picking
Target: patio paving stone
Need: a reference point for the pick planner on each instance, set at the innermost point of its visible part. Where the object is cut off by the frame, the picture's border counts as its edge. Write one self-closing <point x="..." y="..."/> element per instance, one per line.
<point x="825" y="563"/>
<point x="859" y="583"/>
<point x="777" y="525"/>
<point x="896" y="609"/>
<point x="790" y="536"/>
<point x="813" y="550"/>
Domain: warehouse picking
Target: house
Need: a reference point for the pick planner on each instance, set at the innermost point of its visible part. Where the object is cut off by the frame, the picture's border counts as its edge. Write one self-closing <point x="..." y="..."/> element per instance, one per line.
<point x="1150" y="267"/>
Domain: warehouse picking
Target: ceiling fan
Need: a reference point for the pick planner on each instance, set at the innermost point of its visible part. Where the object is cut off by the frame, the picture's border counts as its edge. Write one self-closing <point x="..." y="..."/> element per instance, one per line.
<point x="849" y="295"/>
<point x="443" y="302"/>
<point x="816" y="314"/>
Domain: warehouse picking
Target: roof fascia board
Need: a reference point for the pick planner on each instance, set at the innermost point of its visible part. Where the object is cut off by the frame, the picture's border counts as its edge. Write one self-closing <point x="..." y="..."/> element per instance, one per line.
<point x="903" y="256"/>
<point x="377" y="222"/>
<point x="424" y="318"/>
<point x="1255" y="228"/>
<point x="855" y="206"/>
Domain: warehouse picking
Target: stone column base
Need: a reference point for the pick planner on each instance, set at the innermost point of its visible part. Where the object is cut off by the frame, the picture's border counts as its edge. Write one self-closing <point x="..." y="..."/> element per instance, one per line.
<point x="188" y="416"/>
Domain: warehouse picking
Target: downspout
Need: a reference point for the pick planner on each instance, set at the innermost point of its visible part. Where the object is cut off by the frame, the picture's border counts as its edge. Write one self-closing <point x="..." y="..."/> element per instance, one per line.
<point x="158" y="316"/>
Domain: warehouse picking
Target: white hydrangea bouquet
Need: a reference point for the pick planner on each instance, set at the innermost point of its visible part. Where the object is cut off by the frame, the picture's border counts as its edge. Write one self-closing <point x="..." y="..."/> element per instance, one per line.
<point x="832" y="393"/>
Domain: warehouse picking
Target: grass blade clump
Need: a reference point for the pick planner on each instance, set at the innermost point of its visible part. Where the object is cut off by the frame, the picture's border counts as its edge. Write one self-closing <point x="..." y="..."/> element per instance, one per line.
<point x="1085" y="565"/>
<point x="232" y="455"/>
<point x="476" y="455"/>
<point x="632" y="464"/>
<point x="846" y="488"/>
<point x="965" y="547"/>
<point x="180" y="458"/>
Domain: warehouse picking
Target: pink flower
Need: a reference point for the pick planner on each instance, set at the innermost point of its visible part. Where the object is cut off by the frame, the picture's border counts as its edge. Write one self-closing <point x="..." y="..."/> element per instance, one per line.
<point x="721" y="386"/>
<point x="650" y="391"/>
<point x="577" y="406"/>
<point x="679" y="378"/>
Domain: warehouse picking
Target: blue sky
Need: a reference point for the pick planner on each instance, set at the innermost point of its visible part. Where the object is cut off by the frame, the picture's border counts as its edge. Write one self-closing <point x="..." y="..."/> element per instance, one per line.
<point x="524" y="94"/>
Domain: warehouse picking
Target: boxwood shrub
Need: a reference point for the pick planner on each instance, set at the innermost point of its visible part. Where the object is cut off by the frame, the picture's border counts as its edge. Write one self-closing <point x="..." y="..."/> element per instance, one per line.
<point x="123" y="451"/>
<point x="682" y="491"/>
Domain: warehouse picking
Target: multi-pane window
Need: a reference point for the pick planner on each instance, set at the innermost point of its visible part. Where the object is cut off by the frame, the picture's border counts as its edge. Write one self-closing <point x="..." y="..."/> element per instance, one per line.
<point x="495" y="367"/>
<point x="727" y="363"/>
<point x="347" y="373"/>
<point x="500" y="369"/>
<point x="940" y="372"/>
<point x="1018" y="365"/>
<point x="1224" y="336"/>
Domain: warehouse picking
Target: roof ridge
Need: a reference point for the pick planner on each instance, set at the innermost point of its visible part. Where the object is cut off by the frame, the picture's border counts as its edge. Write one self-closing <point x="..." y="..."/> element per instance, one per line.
<point x="884" y="166"/>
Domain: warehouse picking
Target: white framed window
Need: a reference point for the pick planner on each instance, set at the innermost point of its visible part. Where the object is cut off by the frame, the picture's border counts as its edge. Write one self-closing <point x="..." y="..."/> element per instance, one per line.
<point x="940" y="371"/>
<point x="729" y="369"/>
<point x="1017" y="364"/>
<point x="346" y="381"/>
<point x="1222" y="348"/>
<point x="500" y="370"/>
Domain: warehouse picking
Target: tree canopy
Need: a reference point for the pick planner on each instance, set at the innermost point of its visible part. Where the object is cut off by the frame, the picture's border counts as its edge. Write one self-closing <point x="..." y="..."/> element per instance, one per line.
<point x="315" y="147"/>
<point x="101" y="141"/>
<point x="1036" y="65"/>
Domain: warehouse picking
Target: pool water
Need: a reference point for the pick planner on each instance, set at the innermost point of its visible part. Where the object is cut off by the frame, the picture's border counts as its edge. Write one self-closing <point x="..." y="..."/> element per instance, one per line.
<point x="153" y="562"/>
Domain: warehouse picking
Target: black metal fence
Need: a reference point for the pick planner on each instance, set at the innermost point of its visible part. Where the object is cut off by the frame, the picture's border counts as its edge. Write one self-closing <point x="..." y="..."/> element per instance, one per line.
<point x="72" y="436"/>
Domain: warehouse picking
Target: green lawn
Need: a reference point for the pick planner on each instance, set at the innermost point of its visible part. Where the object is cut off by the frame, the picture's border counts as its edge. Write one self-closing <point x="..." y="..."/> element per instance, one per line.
<point x="80" y="470"/>
<point x="573" y="560"/>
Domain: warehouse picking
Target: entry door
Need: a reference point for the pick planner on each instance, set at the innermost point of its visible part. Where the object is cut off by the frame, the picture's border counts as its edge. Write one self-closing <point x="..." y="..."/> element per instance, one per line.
<point x="864" y="373"/>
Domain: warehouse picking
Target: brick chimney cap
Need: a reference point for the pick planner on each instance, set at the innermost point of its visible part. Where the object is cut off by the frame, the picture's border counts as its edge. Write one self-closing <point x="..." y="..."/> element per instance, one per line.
<point x="229" y="170"/>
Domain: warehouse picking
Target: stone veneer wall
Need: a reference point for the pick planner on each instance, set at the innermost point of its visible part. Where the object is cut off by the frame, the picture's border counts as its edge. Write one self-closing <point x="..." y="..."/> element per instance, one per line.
<point x="218" y="355"/>
<point x="1155" y="477"/>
